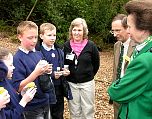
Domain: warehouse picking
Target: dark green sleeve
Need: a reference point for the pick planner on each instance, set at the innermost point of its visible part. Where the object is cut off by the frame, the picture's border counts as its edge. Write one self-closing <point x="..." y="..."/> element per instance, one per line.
<point x="135" y="81"/>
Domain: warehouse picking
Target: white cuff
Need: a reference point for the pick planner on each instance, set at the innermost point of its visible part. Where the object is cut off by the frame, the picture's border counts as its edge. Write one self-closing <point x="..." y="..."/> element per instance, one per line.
<point x="22" y="103"/>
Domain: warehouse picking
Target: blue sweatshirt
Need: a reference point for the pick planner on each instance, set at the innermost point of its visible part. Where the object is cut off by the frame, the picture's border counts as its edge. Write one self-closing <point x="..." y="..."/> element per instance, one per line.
<point x="13" y="110"/>
<point x="24" y="65"/>
<point x="55" y="57"/>
<point x="2" y="114"/>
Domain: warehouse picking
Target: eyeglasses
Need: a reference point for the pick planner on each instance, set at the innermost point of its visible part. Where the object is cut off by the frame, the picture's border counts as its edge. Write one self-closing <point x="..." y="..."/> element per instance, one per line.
<point x="115" y="31"/>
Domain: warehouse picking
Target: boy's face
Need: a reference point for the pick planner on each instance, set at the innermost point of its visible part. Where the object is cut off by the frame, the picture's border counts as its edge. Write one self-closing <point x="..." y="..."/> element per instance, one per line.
<point x="28" y="39"/>
<point x="48" y="37"/>
<point x="9" y="63"/>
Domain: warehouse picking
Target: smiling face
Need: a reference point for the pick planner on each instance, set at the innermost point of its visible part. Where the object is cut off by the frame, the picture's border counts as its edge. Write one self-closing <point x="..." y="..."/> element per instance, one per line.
<point x="119" y="31"/>
<point x="28" y="39"/>
<point x="49" y="37"/>
<point x="8" y="60"/>
<point x="77" y="33"/>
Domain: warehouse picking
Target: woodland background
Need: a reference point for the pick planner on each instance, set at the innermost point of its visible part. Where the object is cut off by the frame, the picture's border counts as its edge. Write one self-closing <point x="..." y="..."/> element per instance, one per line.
<point x="97" y="13"/>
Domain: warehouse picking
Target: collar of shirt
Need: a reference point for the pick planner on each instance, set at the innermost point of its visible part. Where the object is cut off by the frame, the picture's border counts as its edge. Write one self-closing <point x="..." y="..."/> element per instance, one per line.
<point x="126" y="44"/>
<point x="47" y="48"/>
<point x="25" y="51"/>
<point x="139" y="47"/>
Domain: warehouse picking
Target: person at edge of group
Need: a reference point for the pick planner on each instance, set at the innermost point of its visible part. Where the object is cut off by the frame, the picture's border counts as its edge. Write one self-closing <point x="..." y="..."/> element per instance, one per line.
<point x="134" y="90"/>
<point x="12" y="105"/>
<point x="54" y="55"/>
<point x="119" y="31"/>
<point x="82" y="56"/>
<point x="28" y="67"/>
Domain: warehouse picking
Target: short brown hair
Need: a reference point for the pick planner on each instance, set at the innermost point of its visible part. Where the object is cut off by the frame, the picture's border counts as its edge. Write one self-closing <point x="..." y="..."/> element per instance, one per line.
<point x="46" y="26"/>
<point x="77" y="22"/>
<point x="142" y="12"/>
<point x="24" y="25"/>
<point x="123" y="19"/>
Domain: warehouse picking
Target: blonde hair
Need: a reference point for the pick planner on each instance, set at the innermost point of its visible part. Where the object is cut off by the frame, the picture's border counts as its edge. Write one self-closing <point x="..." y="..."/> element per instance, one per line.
<point x="46" y="26"/>
<point x="25" y="25"/>
<point x="77" y="22"/>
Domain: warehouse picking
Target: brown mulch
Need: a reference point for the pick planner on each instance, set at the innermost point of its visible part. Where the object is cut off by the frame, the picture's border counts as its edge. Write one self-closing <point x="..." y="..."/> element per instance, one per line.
<point x="102" y="80"/>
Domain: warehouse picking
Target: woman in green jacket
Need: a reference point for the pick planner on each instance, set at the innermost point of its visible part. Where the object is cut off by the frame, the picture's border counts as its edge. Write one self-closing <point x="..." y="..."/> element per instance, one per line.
<point x="134" y="90"/>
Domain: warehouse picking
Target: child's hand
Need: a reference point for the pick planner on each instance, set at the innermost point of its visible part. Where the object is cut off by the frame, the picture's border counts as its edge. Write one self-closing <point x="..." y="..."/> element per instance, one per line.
<point x="57" y="74"/>
<point x="27" y="87"/>
<point x="65" y="72"/>
<point x="28" y="96"/>
<point x="49" y="69"/>
<point x="4" y="99"/>
<point x="41" y="67"/>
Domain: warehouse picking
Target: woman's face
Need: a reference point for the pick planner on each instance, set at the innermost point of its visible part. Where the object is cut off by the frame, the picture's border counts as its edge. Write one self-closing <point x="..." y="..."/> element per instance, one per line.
<point x="135" y="34"/>
<point x="77" y="33"/>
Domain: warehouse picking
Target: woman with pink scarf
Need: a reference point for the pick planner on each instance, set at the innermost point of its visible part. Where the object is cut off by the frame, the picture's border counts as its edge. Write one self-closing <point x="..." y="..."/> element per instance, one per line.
<point x="82" y="56"/>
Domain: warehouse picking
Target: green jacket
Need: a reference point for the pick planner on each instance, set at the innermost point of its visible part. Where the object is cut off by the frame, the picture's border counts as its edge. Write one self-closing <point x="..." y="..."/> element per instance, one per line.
<point x="134" y="90"/>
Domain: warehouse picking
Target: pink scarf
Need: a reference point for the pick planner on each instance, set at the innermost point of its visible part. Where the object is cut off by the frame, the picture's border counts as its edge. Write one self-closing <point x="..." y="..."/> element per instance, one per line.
<point x="77" y="47"/>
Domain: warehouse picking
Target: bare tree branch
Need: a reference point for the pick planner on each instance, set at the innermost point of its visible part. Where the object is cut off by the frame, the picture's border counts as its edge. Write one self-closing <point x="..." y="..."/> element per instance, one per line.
<point x="31" y="10"/>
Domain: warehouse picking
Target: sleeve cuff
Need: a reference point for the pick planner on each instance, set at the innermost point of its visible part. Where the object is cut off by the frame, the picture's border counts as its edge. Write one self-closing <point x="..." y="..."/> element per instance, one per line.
<point x="22" y="103"/>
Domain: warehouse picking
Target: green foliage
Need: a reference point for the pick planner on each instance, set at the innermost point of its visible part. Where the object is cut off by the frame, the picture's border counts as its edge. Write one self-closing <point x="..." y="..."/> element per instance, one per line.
<point x="97" y="13"/>
<point x="5" y="30"/>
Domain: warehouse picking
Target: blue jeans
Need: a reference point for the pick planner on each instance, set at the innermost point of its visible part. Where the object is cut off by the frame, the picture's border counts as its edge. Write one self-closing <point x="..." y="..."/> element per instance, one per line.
<point x="39" y="113"/>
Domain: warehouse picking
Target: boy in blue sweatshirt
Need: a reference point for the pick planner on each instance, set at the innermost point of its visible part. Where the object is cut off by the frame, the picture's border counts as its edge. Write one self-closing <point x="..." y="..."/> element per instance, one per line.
<point x="13" y="107"/>
<point x="28" y="68"/>
<point x="54" y="55"/>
